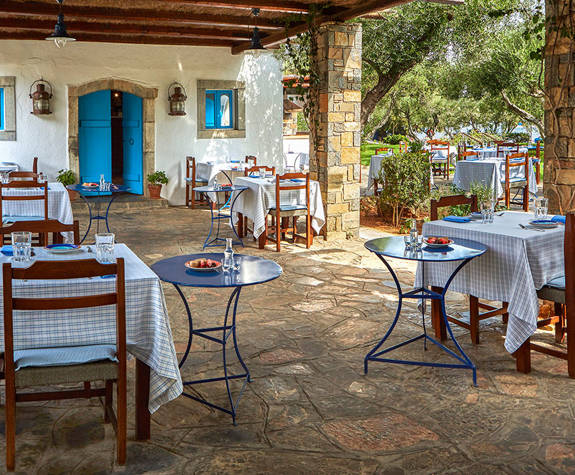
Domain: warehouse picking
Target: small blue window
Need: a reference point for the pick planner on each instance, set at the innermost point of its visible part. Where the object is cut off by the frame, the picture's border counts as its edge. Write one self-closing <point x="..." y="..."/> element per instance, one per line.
<point x="220" y="109"/>
<point x="2" y="120"/>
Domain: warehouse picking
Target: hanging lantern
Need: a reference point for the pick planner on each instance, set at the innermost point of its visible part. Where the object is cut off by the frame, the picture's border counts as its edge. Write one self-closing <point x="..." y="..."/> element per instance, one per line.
<point x="177" y="99"/>
<point x="256" y="48"/>
<point x="60" y="36"/>
<point x="40" y="97"/>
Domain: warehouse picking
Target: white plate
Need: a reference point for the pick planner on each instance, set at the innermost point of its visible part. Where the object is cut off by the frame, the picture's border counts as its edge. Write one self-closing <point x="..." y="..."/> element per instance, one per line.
<point x="65" y="250"/>
<point x="550" y="225"/>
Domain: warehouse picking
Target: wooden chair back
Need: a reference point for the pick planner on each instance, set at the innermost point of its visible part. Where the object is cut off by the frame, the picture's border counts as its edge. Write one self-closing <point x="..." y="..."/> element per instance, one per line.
<point x="191" y="168"/>
<point x="504" y="148"/>
<point x="513" y="160"/>
<point x="403" y="147"/>
<point x="23" y="175"/>
<point x="258" y="168"/>
<point x="41" y="231"/>
<point x="251" y="160"/>
<point x="25" y="185"/>
<point x="383" y="150"/>
<point x="470" y="154"/>
<point x="453" y="200"/>
<point x="283" y="184"/>
<point x="35" y="165"/>
<point x="437" y="145"/>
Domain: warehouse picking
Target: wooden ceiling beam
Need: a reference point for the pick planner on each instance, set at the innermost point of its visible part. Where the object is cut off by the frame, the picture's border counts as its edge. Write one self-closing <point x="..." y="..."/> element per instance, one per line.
<point x="76" y="27"/>
<point x="330" y="14"/>
<point x="266" y="5"/>
<point x="114" y="38"/>
<point x="132" y="14"/>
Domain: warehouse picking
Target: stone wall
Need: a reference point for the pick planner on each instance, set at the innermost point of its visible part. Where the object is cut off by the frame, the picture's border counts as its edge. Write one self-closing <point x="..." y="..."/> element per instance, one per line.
<point x="335" y="142"/>
<point x="559" y="175"/>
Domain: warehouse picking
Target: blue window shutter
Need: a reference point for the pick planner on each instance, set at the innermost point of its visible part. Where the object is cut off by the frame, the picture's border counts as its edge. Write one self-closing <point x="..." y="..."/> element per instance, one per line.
<point x="1" y="108"/>
<point x="211" y="110"/>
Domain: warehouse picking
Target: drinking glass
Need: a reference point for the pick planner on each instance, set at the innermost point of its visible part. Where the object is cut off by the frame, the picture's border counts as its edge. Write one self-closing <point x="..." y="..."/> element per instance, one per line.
<point x="544" y="207"/>
<point x="485" y="212"/>
<point x="105" y="248"/>
<point x="41" y="178"/>
<point x="407" y="241"/>
<point x="22" y="246"/>
<point x="5" y="177"/>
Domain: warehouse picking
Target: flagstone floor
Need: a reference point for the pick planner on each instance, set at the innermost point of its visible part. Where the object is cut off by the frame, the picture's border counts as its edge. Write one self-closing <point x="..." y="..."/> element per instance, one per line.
<point x="310" y="408"/>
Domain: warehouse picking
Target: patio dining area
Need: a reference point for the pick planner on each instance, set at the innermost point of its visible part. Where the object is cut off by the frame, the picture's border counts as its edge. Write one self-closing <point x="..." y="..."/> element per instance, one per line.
<point x="309" y="407"/>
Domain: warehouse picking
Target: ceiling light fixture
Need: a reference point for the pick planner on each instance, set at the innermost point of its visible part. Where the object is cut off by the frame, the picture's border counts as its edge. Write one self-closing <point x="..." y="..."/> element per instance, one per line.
<point x="256" y="48"/>
<point x="60" y="36"/>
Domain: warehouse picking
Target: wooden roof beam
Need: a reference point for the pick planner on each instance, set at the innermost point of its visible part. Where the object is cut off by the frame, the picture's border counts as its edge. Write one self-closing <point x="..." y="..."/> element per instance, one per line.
<point x="114" y="38"/>
<point x="132" y="14"/>
<point x="265" y="5"/>
<point x="77" y="27"/>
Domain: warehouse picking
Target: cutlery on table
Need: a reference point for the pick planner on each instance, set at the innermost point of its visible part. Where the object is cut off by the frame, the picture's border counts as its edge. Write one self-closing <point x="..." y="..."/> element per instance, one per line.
<point x="531" y="228"/>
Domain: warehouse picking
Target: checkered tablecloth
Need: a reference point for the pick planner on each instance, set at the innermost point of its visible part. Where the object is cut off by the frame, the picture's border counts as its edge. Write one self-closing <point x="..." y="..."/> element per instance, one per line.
<point x="489" y="172"/>
<point x="491" y="152"/>
<point x="59" y="206"/>
<point x="260" y="197"/>
<point x="149" y="337"/>
<point x="517" y="264"/>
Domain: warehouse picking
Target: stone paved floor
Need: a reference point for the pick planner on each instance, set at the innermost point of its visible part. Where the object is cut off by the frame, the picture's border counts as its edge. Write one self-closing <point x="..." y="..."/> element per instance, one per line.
<point x="309" y="408"/>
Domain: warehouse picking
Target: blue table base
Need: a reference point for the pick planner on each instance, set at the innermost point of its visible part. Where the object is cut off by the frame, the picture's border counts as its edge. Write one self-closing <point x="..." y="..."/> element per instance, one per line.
<point x="218" y="215"/>
<point x="226" y="330"/>
<point x="421" y="294"/>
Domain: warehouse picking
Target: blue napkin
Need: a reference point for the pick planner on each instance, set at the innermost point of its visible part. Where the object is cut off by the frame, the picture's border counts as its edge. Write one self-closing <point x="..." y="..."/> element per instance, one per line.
<point x="298" y="180"/>
<point x="457" y="219"/>
<point x="558" y="219"/>
<point x="7" y="250"/>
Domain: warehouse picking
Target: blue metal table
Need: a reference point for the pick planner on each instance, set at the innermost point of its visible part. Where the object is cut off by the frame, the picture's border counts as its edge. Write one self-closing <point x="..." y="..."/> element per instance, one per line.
<point x="100" y="198"/>
<point x="221" y="211"/>
<point x="461" y="250"/>
<point x="252" y="271"/>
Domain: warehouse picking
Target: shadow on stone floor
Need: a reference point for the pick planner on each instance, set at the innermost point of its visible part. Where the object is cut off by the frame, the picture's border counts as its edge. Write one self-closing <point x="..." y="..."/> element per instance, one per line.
<point x="310" y="408"/>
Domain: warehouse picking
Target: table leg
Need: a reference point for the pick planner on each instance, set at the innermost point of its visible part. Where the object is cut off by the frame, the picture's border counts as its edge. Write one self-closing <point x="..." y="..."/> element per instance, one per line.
<point x="263" y="240"/>
<point x="241" y="225"/>
<point x="142" y="401"/>
<point x="90" y="217"/>
<point x="523" y="358"/>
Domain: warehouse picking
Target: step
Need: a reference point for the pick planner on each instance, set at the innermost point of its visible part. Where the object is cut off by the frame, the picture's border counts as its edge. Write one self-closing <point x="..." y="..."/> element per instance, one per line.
<point x="121" y="203"/>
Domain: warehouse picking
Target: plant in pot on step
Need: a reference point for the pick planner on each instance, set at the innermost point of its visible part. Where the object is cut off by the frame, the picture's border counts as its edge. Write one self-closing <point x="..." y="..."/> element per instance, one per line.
<point x="155" y="182"/>
<point x="67" y="177"/>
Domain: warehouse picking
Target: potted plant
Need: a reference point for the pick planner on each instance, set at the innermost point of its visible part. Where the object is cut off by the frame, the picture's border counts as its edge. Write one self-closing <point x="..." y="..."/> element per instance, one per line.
<point x="155" y="182"/>
<point x="67" y="177"/>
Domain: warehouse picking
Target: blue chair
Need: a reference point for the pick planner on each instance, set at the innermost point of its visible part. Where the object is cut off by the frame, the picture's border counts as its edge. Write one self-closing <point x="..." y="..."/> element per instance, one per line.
<point x="49" y="366"/>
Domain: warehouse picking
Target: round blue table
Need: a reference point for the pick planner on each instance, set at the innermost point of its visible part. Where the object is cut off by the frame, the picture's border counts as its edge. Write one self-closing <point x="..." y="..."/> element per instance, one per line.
<point x="461" y="250"/>
<point x="221" y="211"/>
<point x="251" y="271"/>
<point x="100" y="197"/>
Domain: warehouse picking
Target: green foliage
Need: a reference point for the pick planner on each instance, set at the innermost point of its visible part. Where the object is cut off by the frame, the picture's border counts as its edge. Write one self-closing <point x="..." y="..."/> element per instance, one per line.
<point x="518" y="137"/>
<point x="405" y="183"/>
<point x="66" y="177"/>
<point x="395" y="139"/>
<point x="158" y="178"/>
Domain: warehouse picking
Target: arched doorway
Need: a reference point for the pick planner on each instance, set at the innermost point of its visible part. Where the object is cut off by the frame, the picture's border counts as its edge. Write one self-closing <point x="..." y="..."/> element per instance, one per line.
<point x="135" y="94"/>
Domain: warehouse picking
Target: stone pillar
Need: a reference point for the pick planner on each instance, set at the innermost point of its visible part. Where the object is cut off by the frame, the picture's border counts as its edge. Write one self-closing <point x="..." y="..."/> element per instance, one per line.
<point x="559" y="175"/>
<point x="335" y="136"/>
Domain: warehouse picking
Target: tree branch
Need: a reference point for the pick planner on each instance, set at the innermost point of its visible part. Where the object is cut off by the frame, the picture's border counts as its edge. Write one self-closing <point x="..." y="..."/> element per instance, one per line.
<point x="523" y="113"/>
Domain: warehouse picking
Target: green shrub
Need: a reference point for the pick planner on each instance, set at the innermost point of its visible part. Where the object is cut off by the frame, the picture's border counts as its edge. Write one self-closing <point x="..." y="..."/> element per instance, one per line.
<point x="405" y="183"/>
<point x="158" y="178"/>
<point x="394" y="139"/>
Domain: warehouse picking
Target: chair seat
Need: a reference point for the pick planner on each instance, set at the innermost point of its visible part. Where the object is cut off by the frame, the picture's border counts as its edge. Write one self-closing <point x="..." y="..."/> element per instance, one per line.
<point x="554" y="290"/>
<point x="23" y="218"/>
<point x="198" y="180"/>
<point x="516" y="180"/>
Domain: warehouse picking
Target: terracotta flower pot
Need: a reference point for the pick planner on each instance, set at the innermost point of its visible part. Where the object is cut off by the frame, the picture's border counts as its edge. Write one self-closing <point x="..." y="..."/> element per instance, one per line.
<point x="154" y="191"/>
<point x="73" y="195"/>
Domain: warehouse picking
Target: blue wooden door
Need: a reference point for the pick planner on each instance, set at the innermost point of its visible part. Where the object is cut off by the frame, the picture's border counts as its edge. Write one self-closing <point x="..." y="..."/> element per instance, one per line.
<point x="95" y="136"/>
<point x="133" y="148"/>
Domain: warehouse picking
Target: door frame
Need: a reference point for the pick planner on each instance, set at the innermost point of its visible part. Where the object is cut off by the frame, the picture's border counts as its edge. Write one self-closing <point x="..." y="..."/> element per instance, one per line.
<point x="148" y="95"/>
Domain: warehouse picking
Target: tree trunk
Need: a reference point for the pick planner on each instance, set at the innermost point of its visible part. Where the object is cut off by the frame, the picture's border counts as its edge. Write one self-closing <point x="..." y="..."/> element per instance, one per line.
<point x="523" y="114"/>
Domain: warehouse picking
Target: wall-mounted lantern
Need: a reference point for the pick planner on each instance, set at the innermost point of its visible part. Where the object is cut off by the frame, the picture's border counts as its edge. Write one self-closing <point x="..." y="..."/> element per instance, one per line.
<point x="177" y="99"/>
<point x="40" y="97"/>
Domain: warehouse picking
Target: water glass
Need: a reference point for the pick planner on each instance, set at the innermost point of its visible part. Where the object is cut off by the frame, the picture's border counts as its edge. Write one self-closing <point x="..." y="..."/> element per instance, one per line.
<point x="407" y="241"/>
<point x="5" y="177"/>
<point x="541" y="208"/>
<point x="419" y="243"/>
<point x="41" y="178"/>
<point x="22" y="246"/>
<point x="105" y="248"/>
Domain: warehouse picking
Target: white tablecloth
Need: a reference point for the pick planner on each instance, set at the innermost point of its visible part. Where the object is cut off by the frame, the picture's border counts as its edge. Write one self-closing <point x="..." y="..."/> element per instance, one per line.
<point x="149" y="337"/>
<point x="293" y="161"/>
<point x="208" y="171"/>
<point x="260" y="197"/>
<point x="517" y="263"/>
<point x="59" y="206"/>
<point x="489" y="172"/>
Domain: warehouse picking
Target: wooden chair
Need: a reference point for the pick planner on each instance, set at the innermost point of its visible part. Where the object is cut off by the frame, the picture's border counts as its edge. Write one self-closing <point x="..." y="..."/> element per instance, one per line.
<point x="468" y="155"/>
<point x="35" y="165"/>
<point x="192" y="183"/>
<point x="403" y="146"/>
<point x="504" y="148"/>
<point x="514" y="160"/>
<point x="257" y="168"/>
<point x="26" y="175"/>
<point x="474" y="304"/>
<point x="439" y="164"/>
<point x="59" y="372"/>
<point x="383" y="150"/>
<point x="251" y="160"/>
<point x="281" y="213"/>
<point x="41" y="231"/>
<point x="41" y="195"/>
<point x="536" y="161"/>
<point x="561" y="291"/>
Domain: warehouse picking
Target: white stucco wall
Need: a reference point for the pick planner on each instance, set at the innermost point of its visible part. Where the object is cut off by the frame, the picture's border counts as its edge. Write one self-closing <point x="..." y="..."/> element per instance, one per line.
<point x="152" y="66"/>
